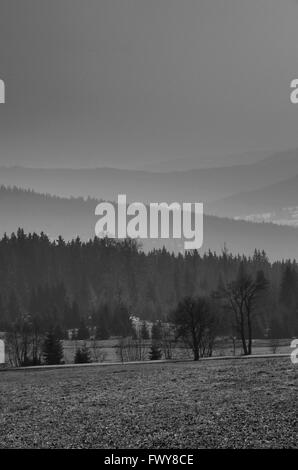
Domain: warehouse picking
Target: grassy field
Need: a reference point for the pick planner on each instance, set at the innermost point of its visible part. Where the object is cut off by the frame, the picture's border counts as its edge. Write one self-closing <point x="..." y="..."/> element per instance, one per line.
<point x="231" y="403"/>
<point x="106" y="350"/>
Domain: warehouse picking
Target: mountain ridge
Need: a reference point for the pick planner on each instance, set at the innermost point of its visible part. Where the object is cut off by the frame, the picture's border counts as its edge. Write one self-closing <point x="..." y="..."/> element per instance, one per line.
<point x="200" y="185"/>
<point x="71" y="217"/>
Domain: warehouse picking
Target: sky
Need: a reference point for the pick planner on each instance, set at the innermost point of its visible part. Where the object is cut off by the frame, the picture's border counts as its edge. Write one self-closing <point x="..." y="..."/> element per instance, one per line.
<point x="129" y="82"/>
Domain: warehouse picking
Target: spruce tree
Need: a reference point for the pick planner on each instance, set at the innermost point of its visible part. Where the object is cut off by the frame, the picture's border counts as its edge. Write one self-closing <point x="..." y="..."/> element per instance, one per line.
<point x="102" y="331"/>
<point x="144" y="331"/>
<point x="156" y="332"/>
<point x="52" y="349"/>
<point x="83" y="331"/>
<point x="155" y="352"/>
<point x="82" y="355"/>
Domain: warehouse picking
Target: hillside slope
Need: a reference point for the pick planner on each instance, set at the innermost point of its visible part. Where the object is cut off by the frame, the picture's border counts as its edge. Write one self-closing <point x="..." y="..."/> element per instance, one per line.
<point x="71" y="217"/>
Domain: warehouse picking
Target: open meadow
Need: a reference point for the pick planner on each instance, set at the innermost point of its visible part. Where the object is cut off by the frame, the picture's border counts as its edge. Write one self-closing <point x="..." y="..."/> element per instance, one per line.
<point x="108" y="350"/>
<point x="241" y="403"/>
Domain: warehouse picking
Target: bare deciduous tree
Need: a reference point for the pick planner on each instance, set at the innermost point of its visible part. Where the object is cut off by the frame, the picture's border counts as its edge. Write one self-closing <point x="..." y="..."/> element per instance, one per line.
<point x="195" y="323"/>
<point x="240" y="297"/>
<point x="24" y="341"/>
<point x="130" y="350"/>
<point x="99" y="354"/>
<point x="167" y="341"/>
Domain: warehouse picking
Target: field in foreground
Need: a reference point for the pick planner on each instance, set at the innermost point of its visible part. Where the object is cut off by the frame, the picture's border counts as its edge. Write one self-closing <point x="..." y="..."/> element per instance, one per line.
<point x="231" y="403"/>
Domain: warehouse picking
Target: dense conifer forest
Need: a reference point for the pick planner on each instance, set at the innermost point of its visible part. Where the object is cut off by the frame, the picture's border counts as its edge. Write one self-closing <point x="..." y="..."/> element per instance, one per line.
<point x="103" y="282"/>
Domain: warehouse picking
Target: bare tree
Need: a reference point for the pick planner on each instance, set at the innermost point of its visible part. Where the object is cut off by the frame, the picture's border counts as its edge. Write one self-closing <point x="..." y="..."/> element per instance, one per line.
<point x="98" y="353"/>
<point x="24" y="341"/>
<point x="241" y="297"/>
<point x="130" y="350"/>
<point x="274" y="345"/>
<point x="234" y="339"/>
<point x="167" y="341"/>
<point x="195" y="324"/>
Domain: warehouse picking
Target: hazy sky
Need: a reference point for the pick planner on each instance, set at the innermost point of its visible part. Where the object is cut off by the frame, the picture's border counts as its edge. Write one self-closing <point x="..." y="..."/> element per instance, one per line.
<point x="93" y="82"/>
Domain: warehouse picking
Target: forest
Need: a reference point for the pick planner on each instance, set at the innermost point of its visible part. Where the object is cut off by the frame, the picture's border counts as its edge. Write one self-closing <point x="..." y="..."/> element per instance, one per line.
<point x="103" y="282"/>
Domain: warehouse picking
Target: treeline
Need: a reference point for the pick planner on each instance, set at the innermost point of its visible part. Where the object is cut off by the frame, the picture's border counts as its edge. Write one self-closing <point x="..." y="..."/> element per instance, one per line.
<point x="97" y="285"/>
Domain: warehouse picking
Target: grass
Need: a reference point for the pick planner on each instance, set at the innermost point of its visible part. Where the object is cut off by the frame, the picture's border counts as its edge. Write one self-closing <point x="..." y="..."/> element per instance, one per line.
<point x="232" y="403"/>
<point x="106" y="350"/>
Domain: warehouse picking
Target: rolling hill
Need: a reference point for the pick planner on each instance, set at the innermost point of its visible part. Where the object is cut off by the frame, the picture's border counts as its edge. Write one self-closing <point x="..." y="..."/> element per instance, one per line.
<point x="75" y="217"/>
<point x="204" y="185"/>
<point x="271" y="200"/>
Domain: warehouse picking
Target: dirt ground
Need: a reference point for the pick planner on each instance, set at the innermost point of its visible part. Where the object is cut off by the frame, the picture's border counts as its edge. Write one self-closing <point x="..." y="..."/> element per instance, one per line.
<point x="212" y="404"/>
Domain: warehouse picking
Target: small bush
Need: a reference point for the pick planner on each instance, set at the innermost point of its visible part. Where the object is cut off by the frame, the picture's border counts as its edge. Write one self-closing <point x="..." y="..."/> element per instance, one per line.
<point x="155" y="352"/>
<point x="82" y="355"/>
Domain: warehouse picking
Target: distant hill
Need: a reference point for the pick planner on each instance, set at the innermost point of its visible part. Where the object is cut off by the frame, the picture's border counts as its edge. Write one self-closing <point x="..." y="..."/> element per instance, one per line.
<point x="276" y="202"/>
<point x="71" y="217"/>
<point x="215" y="160"/>
<point x="203" y="185"/>
<point x="270" y="199"/>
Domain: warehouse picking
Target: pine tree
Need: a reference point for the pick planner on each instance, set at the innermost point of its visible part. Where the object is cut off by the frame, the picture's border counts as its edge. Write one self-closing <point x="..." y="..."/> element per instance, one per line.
<point x="13" y="307"/>
<point x="144" y="331"/>
<point x="59" y="332"/>
<point x="156" y="332"/>
<point x="102" y="331"/>
<point x="52" y="349"/>
<point x="155" y="352"/>
<point x="83" y="331"/>
<point x="121" y="324"/>
<point x="288" y="289"/>
<point x="82" y="355"/>
<point x="2" y="315"/>
<point x="75" y="314"/>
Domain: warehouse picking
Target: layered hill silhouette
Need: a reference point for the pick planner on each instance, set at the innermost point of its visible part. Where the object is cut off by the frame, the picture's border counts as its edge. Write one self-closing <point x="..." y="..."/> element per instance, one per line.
<point x="71" y="217"/>
<point x="271" y="200"/>
<point x="204" y="185"/>
<point x="215" y="160"/>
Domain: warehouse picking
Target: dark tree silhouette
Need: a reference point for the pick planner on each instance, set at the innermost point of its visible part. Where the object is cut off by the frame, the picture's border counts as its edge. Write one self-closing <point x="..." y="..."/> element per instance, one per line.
<point x="156" y="332"/>
<point x="52" y="349"/>
<point x="76" y="279"/>
<point x="193" y="318"/>
<point x="83" y="331"/>
<point x="155" y="352"/>
<point x="240" y="297"/>
<point x="144" y="333"/>
<point x="82" y="355"/>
